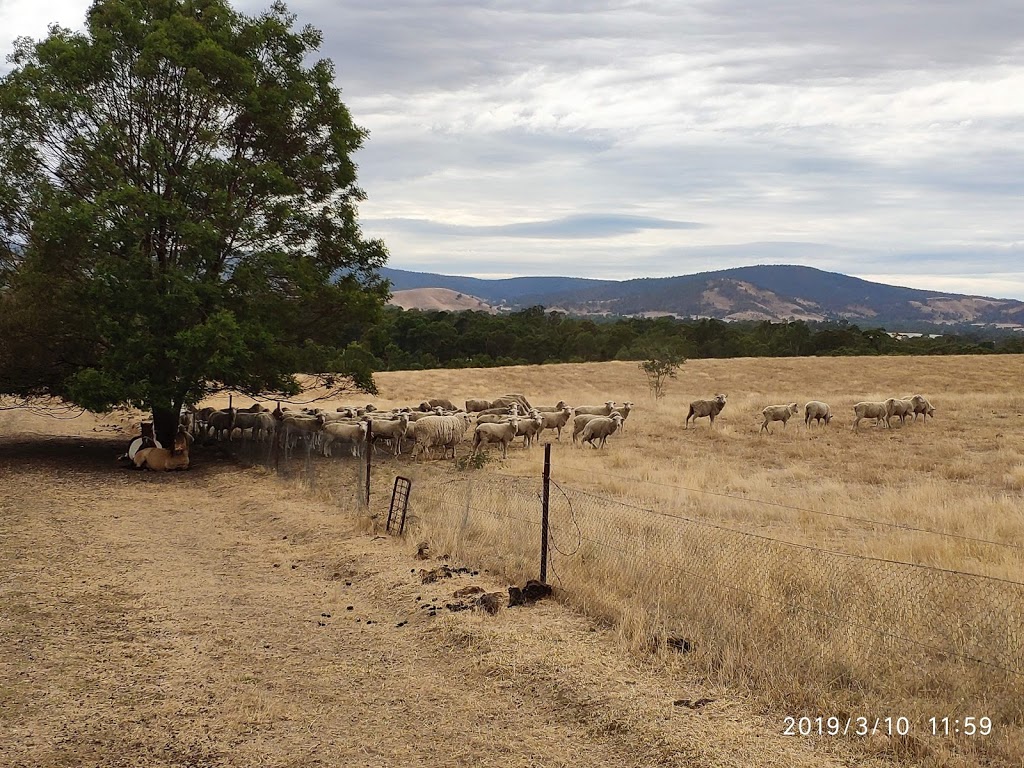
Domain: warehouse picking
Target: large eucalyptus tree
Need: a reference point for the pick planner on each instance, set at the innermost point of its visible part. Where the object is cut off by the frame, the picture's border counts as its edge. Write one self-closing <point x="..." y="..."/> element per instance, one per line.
<point x="178" y="211"/>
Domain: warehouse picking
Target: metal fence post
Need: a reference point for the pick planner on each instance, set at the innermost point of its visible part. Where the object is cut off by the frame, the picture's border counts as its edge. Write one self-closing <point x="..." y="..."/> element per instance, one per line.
<point x="544" y="515"/>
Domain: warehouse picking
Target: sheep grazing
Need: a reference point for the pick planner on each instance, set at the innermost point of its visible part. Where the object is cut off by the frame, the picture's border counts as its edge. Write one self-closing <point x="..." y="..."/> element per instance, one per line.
<point x="502" y="434"/>
<point x="557" y="420"/>
<point x="473" y="406"/>
<point x="596" y="410"/>
<point x="867" y="410"/>
<point x="443" y="432"/>
<point x="818" y="411"/>
<point x="352" y="435"/>
<point x="901" y="408"/>
<point x="921" y="406"/>
<point x="580" y="422"/>
<point x="429" y="405"/>
<point x="701" y="408"/>
<point x="600" y="428"/>
<point x="781" y="413"/>
<point x="163" y="460"/>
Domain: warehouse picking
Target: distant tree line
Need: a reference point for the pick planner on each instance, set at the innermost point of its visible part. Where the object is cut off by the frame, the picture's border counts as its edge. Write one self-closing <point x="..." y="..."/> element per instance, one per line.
<point x="414" y="339"/>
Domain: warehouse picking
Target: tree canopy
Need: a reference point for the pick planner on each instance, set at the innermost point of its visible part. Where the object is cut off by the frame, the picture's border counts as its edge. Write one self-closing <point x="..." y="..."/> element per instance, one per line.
<point x="178" y="211"/>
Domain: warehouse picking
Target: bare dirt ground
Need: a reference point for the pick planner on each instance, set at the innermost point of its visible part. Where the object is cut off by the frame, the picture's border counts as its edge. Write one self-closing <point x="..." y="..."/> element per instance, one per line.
<point x="217" y="618"/>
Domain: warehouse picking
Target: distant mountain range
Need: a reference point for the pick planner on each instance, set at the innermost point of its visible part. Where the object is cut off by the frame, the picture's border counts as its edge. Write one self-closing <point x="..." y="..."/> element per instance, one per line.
<point x="766" y="292"/>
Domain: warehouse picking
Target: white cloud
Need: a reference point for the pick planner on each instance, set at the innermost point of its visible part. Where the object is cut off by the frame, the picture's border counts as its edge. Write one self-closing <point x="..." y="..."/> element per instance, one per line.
<point x="850" y="136"/>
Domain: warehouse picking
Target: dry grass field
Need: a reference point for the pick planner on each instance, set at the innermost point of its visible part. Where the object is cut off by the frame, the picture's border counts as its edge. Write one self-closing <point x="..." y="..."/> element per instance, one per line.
<point x="802" y="626"/>
<point x="666" y="533"/>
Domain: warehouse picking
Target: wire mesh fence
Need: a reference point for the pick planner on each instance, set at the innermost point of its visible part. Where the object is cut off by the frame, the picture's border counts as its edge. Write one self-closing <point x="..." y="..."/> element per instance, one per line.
<point x="814" y="627"/>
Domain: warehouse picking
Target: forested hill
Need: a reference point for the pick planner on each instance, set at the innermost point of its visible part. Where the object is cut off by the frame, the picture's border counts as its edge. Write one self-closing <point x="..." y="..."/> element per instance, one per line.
<point x="765" y="292"/>
<point x="417" y="339"/>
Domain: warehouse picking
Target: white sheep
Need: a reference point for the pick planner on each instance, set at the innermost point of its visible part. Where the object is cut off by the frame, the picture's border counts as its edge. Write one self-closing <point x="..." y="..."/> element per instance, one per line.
<point x="437" y="402"/>
<point x="701" y="408"/>
<point x="898" y="407"/>
<point x="579" y="422"/>
<point x="352" y="435"/>
<point x="530" y="427"/>
<point x="600" y="428"/>
<point x="921" y="406"/>
<point x="818" y="411"/>
<point x="221" y="423"/>
<point x="596" y="410"/>
<point x="868" y="410"/>
<point x="502" y="434"/>
<point x="781" y="413"/>
<point x="552" y="408"/>
<point x="433" y="431"/>
<point x="557" y="420"/>
<point x="392" y="430"/>
<point x="623" y="410"/>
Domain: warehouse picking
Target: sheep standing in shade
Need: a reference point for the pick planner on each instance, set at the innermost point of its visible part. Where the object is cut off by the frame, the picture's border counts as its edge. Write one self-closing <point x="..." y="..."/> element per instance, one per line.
<point x="818" y="411"/>
<point x="781" y="413"/>
<point x="702" y="408"/>
<point x="352" y="435"/>
<point x="599" y="428"/>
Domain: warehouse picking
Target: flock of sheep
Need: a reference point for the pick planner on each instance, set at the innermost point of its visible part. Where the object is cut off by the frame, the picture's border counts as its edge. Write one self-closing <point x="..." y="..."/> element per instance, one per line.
<point x="439" y="424"/>
<point x="882" y="412"/>
<point x="433" y="424"/>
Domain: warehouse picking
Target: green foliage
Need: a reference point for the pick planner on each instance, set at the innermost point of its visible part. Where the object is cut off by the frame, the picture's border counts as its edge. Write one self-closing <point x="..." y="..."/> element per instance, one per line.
<point x="473" y="461"/>
<point x="416" y="339"/>
<point x="178" y="210"/>
<point x="662" y="363"/>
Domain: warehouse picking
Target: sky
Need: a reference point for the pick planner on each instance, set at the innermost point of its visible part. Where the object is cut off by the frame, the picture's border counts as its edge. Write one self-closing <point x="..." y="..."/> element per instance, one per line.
<point x="628" y="139"/>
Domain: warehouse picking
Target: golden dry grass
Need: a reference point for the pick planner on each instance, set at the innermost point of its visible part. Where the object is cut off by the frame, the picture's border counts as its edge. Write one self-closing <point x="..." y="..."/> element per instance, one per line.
<point x="799" y="627"/>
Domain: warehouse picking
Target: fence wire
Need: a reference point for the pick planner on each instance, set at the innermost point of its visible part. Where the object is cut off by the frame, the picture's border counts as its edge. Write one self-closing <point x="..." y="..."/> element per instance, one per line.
<point x="807" y="623"/>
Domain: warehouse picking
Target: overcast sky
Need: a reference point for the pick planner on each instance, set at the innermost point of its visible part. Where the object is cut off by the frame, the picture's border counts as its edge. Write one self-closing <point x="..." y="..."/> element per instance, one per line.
<point x="624" y="139"/>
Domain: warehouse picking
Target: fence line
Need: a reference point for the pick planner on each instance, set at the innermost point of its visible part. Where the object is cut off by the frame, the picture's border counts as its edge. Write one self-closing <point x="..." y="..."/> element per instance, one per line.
<point x="807" y="623"/>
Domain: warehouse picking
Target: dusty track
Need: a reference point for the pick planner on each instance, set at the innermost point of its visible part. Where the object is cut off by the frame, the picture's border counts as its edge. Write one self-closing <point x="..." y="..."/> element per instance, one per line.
<point x="202" y="619"/>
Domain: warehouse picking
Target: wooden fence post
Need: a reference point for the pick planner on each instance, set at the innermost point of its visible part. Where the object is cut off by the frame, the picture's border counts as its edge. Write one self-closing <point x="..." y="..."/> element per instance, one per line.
<point x="369" y="452"/>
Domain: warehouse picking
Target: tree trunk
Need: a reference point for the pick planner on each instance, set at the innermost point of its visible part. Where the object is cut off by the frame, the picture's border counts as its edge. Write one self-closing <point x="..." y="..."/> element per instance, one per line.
<point x="165" y="422"/>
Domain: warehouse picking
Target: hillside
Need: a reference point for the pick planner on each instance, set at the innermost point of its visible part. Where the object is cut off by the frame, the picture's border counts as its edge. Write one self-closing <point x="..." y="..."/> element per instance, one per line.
<point x="764" y="292"/>
<point x="439" y="299"/>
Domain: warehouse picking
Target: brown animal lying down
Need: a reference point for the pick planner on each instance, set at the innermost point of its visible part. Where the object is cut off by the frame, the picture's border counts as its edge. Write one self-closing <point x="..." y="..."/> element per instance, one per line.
<point x="164" y="460"/>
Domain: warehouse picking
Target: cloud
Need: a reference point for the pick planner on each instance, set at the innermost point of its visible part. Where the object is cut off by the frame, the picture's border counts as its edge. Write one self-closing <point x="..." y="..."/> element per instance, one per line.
<point x="616" y="138"/>
<point x="567" y="227"/>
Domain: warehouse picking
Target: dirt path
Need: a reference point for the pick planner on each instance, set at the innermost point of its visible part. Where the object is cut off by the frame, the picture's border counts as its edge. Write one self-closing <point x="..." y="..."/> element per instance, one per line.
<point x="216" y="618"/>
